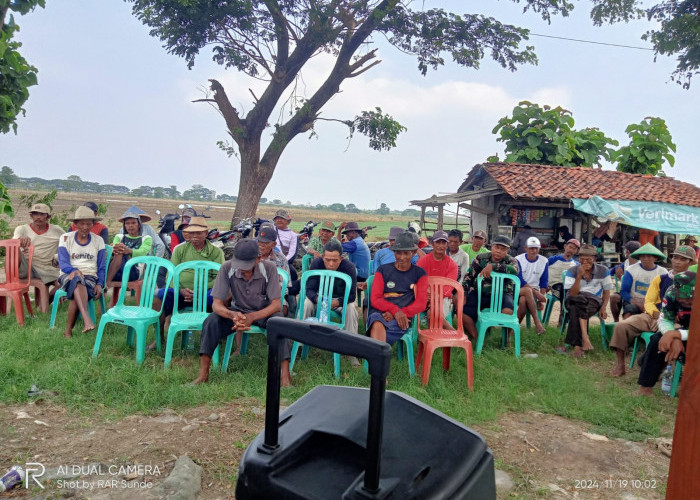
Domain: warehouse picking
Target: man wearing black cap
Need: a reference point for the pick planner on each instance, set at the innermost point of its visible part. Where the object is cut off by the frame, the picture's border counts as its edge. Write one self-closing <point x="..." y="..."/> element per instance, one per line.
<point x="267" y="241"/>
<point x="246" y="292"/>
<point x="497" y="261"/>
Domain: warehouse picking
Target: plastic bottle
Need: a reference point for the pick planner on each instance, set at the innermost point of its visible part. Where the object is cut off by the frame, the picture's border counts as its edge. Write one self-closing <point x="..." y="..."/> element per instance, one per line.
<point x="190" y="341"/>
<point x="323" y="317"/>
<point x="13" y="477"/>
<point x="667" y="380"/>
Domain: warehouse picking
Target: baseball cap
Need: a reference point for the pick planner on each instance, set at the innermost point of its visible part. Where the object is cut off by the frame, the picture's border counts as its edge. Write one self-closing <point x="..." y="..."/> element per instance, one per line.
<point x="439" y="235"/>
<point x="91" y="205"/>
<point x="500" y="240"/>
<point x="533" y="242"/>
<point x="632" y="246"/>
<point x="245" y="253"/>
<point x="267" y="234"/>
<point x="40" y="208"/>
<point x="685" y="252"/>
<point x="575" y="242"/>
<point x="480" y="234"/>
<point x="284" y="214"/>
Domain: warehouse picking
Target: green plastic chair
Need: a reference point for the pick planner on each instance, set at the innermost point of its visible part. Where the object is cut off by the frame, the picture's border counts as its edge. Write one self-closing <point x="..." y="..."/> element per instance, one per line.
<point x="677" y="371"/>
<point x="60" y="293"/>
<point x="306" y="262"/>
<point x="325" y="290"/>
<point x="646" y="337"/>
<point x="493" y="315"/>
<point x="253" y="329"/>
<point x="137" y="318"/>
<point x="192" y="317"/>
<point x="406" y="342"/>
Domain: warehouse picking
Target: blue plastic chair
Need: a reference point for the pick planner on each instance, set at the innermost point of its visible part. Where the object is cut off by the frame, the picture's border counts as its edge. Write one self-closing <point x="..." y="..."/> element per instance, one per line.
<point x="325" y="291"/>
<point x="493" y="315"/>
<point x="253" y="329"/>
<point x="137" y="318"/>
<point x="190" y="318"/>
<point x="646" y="337"/>
<point x="60" y="293"/>
<point x="306" y="262"/>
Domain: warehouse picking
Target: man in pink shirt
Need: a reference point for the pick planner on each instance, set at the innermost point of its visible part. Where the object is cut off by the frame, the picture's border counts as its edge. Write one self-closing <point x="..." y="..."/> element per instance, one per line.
<point x="438" y="263"/>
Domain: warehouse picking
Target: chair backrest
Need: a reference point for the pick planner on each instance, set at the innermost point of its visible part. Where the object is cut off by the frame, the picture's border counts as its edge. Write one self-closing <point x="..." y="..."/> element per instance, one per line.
<point x="108" y="256"/>
<point x="563" y="290"/>
<point x="149" y="277"/>
<point x="326" y="279"/>
<point x="306" y="262"/>
<point x="13" y="257"/>
<point x="436" y="285"/>
<point x="498" y="282"/>
<point x="371" y="267"/>
<point x="202" y="270"/>
<point x="285" y="282"/>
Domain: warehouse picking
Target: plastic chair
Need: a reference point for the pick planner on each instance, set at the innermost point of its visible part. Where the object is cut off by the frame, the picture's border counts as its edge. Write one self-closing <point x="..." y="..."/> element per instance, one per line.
<point x="253" y="329"/>
<point x="306" y="262"/>
<point x="137" y="318"/>
<point x="493" y="315"/>
<point x="325" y="291"/>
<point x="135" y="287"/>
<point x="192" y="317"/>
<point x="14" y="287"/>
<point x="646" y="337"/>
<point x="41" y="295"/>
<point x="677" y="371"/>
<point x="405" y="343"/>
<point x="435" y="336"/>
<point x="60" y="293"/>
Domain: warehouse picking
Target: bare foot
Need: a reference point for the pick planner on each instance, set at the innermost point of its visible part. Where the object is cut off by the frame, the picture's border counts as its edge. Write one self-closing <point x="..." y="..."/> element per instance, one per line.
<point x="67" y="334"/>
<point x="645" y="391"/>
<point x="286" y="379"/>
<point x="618" y="371"/>
<point x="151" y="347"/>
<point x="541" y="329"/>
<point x="587" y="346"/>
<point x="354" y="362"/>
<point x="200" y="380"/>
<point x="578" y="352"/>
<point x="88" y="327"/>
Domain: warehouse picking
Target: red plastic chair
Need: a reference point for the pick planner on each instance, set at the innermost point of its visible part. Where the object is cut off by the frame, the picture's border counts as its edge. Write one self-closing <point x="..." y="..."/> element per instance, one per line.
<point x="435" y="336"/>
<point x="13" y="286"/>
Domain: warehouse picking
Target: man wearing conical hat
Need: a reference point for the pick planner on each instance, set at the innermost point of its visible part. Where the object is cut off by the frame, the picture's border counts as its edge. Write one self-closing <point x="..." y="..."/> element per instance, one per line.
<point x="638" y="277"/>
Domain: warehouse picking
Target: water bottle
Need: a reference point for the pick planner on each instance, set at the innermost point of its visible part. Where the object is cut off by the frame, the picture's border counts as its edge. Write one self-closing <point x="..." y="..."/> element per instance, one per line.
<point x="323" y="317"/>
<point x="190" y="341"/>
<point x="13" y="477"/>
<point x="667" y="380"/>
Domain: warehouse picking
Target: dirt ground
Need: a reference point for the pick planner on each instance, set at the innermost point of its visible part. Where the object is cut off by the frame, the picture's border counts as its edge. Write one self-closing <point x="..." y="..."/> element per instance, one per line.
<point x="546" y="456"/>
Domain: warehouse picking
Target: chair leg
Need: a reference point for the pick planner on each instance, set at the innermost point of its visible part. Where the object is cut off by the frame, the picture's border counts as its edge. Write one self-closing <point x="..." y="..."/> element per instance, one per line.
<point x="409" y="358"/>
<point x="19" y="309"/>
<point x="98" y="337"/>
<point x="28" y="302"/>
<point x="227" y="353"/>
<point x="470" y="366"/>
<point x="678" y="370"/>
<point x="91" y="310"/>
<point x="141" y="331"/>
<point x="427" y="361"/>
<point x="446" y="351"/>
<point x="295" y="349"/>
<point x="169" y="341"/>
<point x="419" y="355"/>
<point x="480" y="339"/>
<point x="244" y="343"/>
<point x="517" y="341"/>
<point x="634" y="353"/>
<point x="336" y="365"/>
<point x="3" y="305"/>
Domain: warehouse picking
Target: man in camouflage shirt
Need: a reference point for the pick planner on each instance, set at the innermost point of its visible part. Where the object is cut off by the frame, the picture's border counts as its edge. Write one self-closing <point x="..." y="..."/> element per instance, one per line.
<point x="497" y="261"/>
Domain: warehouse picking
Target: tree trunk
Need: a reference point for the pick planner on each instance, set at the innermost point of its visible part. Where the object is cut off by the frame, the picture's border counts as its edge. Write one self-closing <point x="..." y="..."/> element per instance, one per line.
<point x="254" y="179"/>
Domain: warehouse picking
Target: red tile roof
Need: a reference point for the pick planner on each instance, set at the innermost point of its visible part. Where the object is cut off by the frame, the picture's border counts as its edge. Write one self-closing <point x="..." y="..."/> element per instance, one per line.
<point x="564" y="183"/>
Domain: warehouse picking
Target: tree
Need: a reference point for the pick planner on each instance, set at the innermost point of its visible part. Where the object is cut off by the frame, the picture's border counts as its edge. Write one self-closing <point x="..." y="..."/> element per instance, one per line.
<point x="273" y="40"/>
<point x="172" y="192"/>
<point x="546" y="136"/>
<point x="8" y="177"/>
<point x="337" y="207"/>
<point x="276" y="202"/>
<point x="262" y="200"/>
<point x="352" y="208"/>
<point x="198" y="192"/>
<point x="650" y="146"/>
<point x="383" y="209"/>
<point x="412" y="212"/>
<point x="16" y="74"/>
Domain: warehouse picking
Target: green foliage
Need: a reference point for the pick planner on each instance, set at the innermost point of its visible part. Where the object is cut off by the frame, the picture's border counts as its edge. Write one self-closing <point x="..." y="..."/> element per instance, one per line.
<point x="337" y="207"/>
<point x="381" y="129"/>
<point x="383" y="209"/>
<point x="61" y="219"/>
<point x="650" y="146"/>
<point x="546" y="136"/>
<point x="8" y="177"/>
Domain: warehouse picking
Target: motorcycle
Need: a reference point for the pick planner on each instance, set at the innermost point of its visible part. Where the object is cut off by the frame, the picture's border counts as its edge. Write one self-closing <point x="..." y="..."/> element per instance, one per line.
<point x="166" y="226"/>
<point x="306" y="233"/>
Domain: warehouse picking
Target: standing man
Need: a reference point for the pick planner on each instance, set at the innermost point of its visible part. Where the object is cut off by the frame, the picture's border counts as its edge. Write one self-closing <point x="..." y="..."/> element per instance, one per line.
<point x="437" y="263"/>
<point x="477" y="245"/>
<point x="246" y="292"/>
<point x="498" y="261"/>
<point x="560" y="263"/>
<point x="325" y="234"/>
<point x="357" y="249"/>
<point x="629" y="329"/>
<point x="588" y="288"/>
<point x="287" y="240"/>
<point x="44" y="237"/>
<point x="638" y="277"/>
<point x="534" y="279"/>
<point x="459" y="256"/>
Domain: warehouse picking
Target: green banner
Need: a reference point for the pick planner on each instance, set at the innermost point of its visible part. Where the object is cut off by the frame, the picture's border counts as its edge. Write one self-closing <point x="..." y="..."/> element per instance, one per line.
<point x="663" y="217"/>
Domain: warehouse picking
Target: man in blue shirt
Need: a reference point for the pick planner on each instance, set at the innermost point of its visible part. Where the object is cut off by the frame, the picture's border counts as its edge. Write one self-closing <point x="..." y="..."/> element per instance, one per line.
<point x="356" y="248"/>
<point x="386" y="255"/>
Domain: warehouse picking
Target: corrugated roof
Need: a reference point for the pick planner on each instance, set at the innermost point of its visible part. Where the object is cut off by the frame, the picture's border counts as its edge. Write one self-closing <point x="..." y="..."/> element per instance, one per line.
<point x="564" y="183"/>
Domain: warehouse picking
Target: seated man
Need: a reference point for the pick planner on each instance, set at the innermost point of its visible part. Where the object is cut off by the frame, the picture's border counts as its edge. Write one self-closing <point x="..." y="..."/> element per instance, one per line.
<point x="560" y="263"/>
<point x="177" y="236"/>
<point x="325" y="234"/>
<point x="357" y="249"/>
<point x="669" y="343"/>
<point x="81" y="258"/>
<point x="497" y="261"/>
<point x="97" y="228"/>
<point x="287" y="240"/>
<point x="246" y="292"/>
<point x="132" y="242"/>
<point x="587" y="288"/>
<point x="197" y="247"/>
<point x="476" y="247"/>
<point x="158" y="248"/>
<point x="638" y="277"/>
<point x="437" y="263"/>
<point x="386" y="255"/>
<point x="454" y="239"/>
<point x="534" y="279"/>
<point x="399" y="292"/>
<point x="629" y="329"/>
<point x="267" y="241"/>
<point x="44" y="237"/>
<point x="619" y="271"/>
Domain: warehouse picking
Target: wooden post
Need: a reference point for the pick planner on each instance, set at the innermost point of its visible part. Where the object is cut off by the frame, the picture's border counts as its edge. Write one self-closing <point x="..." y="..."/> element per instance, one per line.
<point x="589" y="221"/>
<point x="440" y="216"/>
<point x="683" y="476"/>
<point x="422" y="217"/>
<point x="457" y="217"/>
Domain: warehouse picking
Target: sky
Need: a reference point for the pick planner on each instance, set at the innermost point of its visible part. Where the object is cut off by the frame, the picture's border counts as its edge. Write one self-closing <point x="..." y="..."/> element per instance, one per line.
<point x="112" y="106"/>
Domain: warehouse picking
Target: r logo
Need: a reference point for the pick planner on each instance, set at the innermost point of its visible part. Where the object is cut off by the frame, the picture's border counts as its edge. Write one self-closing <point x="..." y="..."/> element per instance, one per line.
<point x="34" y="470"/>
